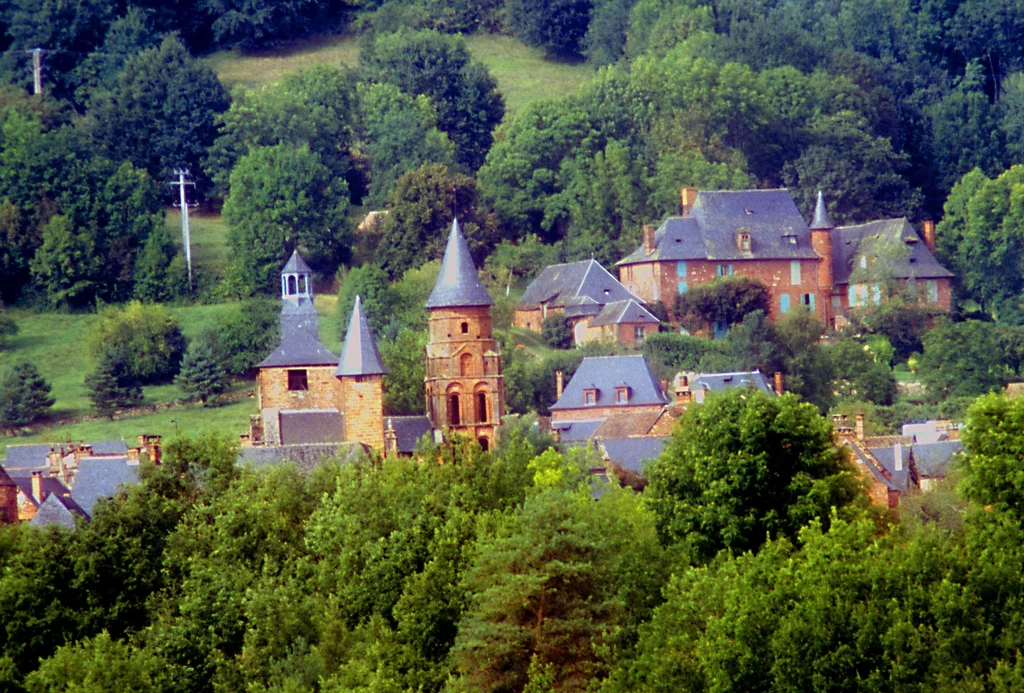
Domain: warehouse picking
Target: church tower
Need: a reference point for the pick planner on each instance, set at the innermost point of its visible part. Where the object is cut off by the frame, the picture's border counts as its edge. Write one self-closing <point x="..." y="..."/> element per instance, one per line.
<point x="360" y="372"/>
<point x="297" y="310"/>
<point x="464" y="386"/>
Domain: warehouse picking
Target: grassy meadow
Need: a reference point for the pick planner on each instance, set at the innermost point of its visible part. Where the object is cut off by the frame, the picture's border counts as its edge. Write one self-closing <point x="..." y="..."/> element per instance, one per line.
<point x="209" y="235"/>
<point x="523" y="74"/>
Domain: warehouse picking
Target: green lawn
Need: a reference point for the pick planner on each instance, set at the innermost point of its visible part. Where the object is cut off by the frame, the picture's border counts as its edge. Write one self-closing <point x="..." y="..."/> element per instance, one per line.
<point x="209" y="235"/>
<point x="523" y="74"/>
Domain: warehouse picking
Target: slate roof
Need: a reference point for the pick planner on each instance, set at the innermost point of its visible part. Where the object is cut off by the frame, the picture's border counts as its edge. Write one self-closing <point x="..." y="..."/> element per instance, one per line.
<point x="850" y="243"/>
<point x="899" y="478"/>
<point x="822" y="221"/>
<point x="633" y="454"/>
<point x="101" y="477"/>
<point x="718" y="382"/>
<point x="458" y="284"/>
<point x="608" y="372"/>
<point x="299" y="348"/>
<point x="574" y="431"/>
<point x="296" y="265"/>
<point x="5" y="478"/>
<point x="624" y="312"/>
<point x="408" y="431"/>
<point x="932" y="459"/>
<point x="777" y="230"/>
<point x="305" y="457"/>
<point x="26" y="458"/>
<point x="573" y="284"/>
<point x="310" y="426"/>
<point x="56" y="510"/>
<point x="109" y="447"/>
<point x="863" y="455"/>
<point x="359" y="355"/>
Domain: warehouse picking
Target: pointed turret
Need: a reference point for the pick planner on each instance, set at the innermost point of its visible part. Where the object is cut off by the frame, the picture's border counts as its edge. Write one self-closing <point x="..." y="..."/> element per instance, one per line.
<point x="458" y="284"/>
<point x="297" y="310"/>
<point x="359" y="356"/>
<point x="822" y="221"/>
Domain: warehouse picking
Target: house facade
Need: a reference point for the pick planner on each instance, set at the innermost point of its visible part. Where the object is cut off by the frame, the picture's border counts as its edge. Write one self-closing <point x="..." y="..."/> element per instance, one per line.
<point x="761" y="234"/>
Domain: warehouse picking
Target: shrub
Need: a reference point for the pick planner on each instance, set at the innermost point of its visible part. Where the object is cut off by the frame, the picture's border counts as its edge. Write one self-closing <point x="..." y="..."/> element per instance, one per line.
<point x="147" y="335"/>
<point x="556" y="332"/>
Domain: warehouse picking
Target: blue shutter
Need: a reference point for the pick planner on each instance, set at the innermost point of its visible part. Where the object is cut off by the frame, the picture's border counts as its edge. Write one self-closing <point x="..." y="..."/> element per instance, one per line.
<point x="681" y="269"/>
<point x="810" y="302"/>
<point x="852" y="291"/>
<point x="784" y="303"/>
<point x="682" y="287"/>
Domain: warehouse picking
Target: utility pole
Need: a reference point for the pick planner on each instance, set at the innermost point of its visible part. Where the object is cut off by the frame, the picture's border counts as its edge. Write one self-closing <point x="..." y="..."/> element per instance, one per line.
<point x="37" y="70"/>
<point x="186" y="241"/>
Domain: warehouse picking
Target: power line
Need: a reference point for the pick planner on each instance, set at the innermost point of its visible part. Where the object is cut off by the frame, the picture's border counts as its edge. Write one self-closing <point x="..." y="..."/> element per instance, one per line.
<point x="186" y="240"/>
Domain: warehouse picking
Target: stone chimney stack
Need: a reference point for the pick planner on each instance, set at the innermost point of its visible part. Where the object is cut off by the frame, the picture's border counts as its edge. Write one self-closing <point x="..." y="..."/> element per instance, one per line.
<point x="649" y="238"/>
<point x="152" y="447"/>
<point x="928" y="231"/>
<point x="390" y="441"/>
<point x="134" y="455"/>
<point x="683" y="394"/>
<point x="688" y="197"/>
<point x="778" y="382"/>
<point x="37" y="487"/>
<point x="897" y="450"/>
<point x="559" y="383"/>
<point x="860" y="427"/>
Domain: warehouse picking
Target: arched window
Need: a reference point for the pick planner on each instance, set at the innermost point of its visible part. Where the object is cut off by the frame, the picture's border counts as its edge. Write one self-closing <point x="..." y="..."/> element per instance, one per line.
<point x="454" y="419"/>
<point x="291" y="284"/>
<point x="481" y="407"/>
<point x="466" y="364"/>
<point x="465" y="328"/>
<point x="302" y="284"/>
<point x="484" y="443"/>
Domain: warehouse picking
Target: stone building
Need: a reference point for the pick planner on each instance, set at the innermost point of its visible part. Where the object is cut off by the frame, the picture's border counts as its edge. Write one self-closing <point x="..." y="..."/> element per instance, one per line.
<point x="464" y="384"/>
<point x="760" y="234"/>
<point x="592" y="301"/>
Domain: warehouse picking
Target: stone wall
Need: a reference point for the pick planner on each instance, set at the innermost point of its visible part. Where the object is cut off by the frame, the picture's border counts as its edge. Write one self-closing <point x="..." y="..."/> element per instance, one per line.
<point x="591" y="413"/>
<point x="323" y="390"/>
<point x="362" y="402"/>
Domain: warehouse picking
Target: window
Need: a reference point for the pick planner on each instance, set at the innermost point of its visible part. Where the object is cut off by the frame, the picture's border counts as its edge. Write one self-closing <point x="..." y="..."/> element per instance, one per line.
<point x="725" y="270"/>
<point x="807" y="300"/>
<point x="291" y="285"/>
<point x="862" y="293"/>
<point x="784" y="303"/>
<point x="297" y="381"/>
<point x="465" y="328"/>
<point x="639" y="333"/>
<point x="721" y="329"/>
<point x="836" y="302"/>
<point x="302" y="284"/>
<point x="622" y="395"/>
<point x="682" y="287"/>
<point x="454" y="415"/>
<point x="876" y="293"/>
<point x="851" y="295"/>
<point x="933" y="290"/>
<point x="590" y="397"/>
<point x="481" y="407"/>
<point x="466" y="365"/>
<point x="794" y="272"/>
<point x="681" y="268"/>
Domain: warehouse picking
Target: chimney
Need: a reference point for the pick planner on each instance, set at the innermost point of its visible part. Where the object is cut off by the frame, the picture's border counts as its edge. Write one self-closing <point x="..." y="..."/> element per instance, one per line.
<point x="556" y="434"/>
<point x="37" y="487"/>
<point x="860" y="427"/>
<point x="134" y="455"/>
<point x="558" y="385"/>
<point x="928" y="230"/>
<point x="779" y="389"/>
<point x="152" y="446"/>
<point x="688" y="197"/>
<point x="390" y="441"/>
<point x="648" y="238"/>
<point x="897" y="450"/>
<point x="664" y="386"/>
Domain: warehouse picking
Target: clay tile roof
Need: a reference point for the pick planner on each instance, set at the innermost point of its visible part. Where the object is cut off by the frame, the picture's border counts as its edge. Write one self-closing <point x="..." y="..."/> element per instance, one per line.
<point x="359" y="355"/>
<point x="626" y="424"/>
<point x="822" y="221"/>
<point x="299" y="348"/>
<point x="296" y="265"/>
<point x="458" y="284"/>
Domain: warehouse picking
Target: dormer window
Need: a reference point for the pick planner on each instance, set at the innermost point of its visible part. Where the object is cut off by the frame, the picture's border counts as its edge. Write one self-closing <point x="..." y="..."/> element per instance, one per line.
<point x="622" y="395"/>
<point x="590" y="396"/>
<point x="789" y="238"/>
<point x="743" y="240"/>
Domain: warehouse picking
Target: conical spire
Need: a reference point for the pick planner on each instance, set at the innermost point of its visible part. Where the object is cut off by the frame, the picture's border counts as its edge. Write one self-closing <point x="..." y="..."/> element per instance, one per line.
<point x="821" y="219"/>
<point x="359" y="356"/>
<point x="296" y="265"/>
<point x="458" y="284"/>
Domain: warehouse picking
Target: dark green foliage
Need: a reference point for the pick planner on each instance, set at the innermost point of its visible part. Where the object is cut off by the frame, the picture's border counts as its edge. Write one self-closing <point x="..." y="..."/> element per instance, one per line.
<point x="555" y="331"/>
<point x="422" y="206"/>
<point x="152" y="281"/>
<point x="65" y="264"/>
<point x="128" y="35"/>
<point x="727" y="300"/>
<point x="112" y="386"/>
<point x="283" y="197"/>
<point x="961" y="359"/>
<point x="100" y="663"/>
<point x="558" y="25"/>
<point x="371" y="284"/>
<point x="248" y="335"/>
<point x="160" y="113"/>
<point x="898" y="322"/>
<point x="670" y="352"/>
<point x="859" y="375"/>
<point x="8" y="328"/>
<point x="605" y="41"/>
<point x="744" y="466"/>
<point x="24" y="395"/>
<point x="404" y="392"/>
<point x="202" y="373"/>
<point x="468" y="104"/>
<point x="147" y="337"/>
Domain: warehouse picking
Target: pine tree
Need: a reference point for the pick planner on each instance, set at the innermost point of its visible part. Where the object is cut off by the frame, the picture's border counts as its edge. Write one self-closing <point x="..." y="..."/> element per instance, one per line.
<point x="111" y="385"/>
<point x="24" y="395"/>
<point x="202" y="372"/>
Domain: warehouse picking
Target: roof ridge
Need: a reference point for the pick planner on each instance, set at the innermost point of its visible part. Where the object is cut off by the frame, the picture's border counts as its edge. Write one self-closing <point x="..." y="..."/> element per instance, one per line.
<point x="583" y="280"/>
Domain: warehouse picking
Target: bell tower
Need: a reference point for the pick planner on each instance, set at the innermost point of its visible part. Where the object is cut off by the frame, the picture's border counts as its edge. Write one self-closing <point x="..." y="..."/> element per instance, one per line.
<point x="297" y="310"/>
<point x="464" y="386"/>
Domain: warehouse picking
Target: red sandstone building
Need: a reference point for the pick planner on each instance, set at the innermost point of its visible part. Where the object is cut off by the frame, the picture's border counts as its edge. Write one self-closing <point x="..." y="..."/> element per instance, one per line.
<point x="760" y="234"/>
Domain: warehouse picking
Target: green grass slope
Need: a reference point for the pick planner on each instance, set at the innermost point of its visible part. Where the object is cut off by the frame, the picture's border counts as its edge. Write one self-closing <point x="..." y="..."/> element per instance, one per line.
<point x="523" y="74"/>
<point x="208" y="233"/>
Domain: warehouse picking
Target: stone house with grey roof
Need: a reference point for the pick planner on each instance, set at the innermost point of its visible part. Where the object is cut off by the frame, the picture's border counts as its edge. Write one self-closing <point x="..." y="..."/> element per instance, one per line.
<point x="593" y="302"/>
<point x="761" y="234"/>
